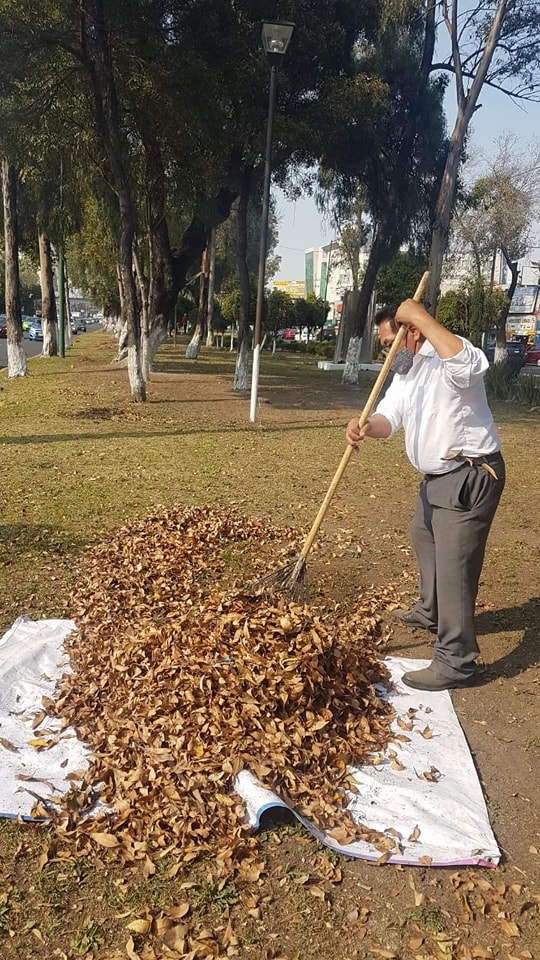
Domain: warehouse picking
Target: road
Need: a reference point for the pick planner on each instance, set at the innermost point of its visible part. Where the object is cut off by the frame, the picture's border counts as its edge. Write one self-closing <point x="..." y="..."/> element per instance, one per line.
<point x="32" y="348"/>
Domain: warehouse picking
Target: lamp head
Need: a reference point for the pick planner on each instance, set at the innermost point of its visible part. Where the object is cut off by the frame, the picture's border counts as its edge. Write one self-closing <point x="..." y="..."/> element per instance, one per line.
<point x="275" y="39"/>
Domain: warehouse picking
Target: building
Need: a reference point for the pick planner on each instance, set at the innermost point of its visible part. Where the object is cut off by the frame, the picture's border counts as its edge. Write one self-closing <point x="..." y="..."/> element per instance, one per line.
<point x="329" y="278"/>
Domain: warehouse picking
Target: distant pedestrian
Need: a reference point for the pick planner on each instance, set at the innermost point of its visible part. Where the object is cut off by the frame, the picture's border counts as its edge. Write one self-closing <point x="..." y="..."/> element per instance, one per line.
<point x="184" y="323"/>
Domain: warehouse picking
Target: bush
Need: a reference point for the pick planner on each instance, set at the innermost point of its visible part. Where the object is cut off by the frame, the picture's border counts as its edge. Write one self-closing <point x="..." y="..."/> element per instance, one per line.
<point x="504" y="382"/>
<point x="500" y="381"/>
<point x="528" y="390"/>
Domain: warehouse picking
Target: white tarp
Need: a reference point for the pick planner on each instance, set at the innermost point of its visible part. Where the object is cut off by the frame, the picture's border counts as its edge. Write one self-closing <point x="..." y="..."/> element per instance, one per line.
<point x="426" y="785"/>
<point x="436" y="796"/>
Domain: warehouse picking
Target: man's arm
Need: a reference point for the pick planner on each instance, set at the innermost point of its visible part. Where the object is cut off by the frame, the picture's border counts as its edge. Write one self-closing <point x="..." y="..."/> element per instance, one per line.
<point x="446" y="343"/>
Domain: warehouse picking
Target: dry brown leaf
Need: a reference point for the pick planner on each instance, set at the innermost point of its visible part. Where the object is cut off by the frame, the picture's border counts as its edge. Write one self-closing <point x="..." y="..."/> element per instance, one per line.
<point x="509" y="928"/>
<point x="105" y="839"/>
<point x="130" y="950"/>
<point x="139" y="926"/>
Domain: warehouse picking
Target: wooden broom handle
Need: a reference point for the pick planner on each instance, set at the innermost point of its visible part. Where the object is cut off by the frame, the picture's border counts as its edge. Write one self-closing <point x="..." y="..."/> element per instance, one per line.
<point x="370" y="403"/>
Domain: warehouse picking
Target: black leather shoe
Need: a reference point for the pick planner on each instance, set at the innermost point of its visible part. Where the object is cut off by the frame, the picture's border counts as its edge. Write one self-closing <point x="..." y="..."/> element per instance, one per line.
<point x="409" y="619"/>
<point x="429" y="679"/>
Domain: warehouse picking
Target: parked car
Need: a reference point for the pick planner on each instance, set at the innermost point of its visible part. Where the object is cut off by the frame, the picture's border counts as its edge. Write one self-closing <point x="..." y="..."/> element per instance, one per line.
<point x="3" y="328"/>
<point x="516" y="353"/>
<point x="78" y="326"/>
<point x="27" y="323"/>
<point x="36" y="331"/>
<point x="533" y="356"/>
<point x="290" y="333"/>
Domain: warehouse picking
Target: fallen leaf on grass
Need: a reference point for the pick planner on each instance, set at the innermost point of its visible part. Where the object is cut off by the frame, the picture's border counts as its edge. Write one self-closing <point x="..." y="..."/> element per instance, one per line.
<point x="139" y="926"/>
<point x="130" y="950"/>
<point x="509" y="928"/>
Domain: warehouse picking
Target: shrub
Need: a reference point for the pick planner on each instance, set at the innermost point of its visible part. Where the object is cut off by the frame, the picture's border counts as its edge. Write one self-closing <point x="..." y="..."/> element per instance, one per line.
<point x="528" y="390"/>
<point x="500" y="381"/>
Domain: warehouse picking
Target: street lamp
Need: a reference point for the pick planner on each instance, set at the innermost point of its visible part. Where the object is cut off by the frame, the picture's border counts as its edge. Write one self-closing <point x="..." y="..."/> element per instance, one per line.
<point x="275" y="40"/>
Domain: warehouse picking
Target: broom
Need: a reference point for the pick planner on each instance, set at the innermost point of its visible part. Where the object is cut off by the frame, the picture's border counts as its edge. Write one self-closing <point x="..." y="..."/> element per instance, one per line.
<point x="291" y="578"/>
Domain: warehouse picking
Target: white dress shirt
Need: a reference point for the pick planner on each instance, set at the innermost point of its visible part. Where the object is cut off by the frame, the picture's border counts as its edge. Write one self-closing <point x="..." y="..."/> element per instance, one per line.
<point x="442" y="407"/>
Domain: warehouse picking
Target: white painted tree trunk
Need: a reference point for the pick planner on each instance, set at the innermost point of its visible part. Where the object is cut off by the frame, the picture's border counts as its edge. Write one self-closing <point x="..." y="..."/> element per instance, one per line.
<point x="16" y="359"/>
<point x="241" y="370"/>
<point x="150" y="348"/>
<point x="194" y="346"/>
<point x="136" y="381"/>
<point x="499" y="355"/>
<point x="352" y="360"/>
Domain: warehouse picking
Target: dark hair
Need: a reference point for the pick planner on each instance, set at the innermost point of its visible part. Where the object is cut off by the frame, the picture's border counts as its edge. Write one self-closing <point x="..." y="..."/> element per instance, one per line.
<point x="389" y="314"/>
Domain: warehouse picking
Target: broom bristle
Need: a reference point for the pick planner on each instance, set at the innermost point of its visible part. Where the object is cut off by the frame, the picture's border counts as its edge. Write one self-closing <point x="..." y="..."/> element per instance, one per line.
<point x="290" y="580"/>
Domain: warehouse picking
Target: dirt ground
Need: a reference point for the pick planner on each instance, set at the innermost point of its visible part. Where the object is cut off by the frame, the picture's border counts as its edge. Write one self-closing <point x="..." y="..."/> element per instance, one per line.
<point x="280" y="468"/>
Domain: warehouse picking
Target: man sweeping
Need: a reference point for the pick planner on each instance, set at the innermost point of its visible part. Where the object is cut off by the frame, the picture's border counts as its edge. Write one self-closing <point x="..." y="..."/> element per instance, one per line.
<point x="438" y="397"/>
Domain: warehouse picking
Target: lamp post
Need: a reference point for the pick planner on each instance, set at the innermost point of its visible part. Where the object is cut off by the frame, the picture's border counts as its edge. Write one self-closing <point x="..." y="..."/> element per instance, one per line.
<point x="275" y="39"/>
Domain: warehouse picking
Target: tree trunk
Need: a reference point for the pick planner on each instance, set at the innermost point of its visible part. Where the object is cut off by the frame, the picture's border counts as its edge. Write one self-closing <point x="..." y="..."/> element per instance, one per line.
<point x="144" y="295"/>
<point x="366" y="350"/>
<point x="163" y="291"/>
<point x="16" y="357"/>
<point x="194" y="346"/>
<point x="242" y="366"/>
<point x="97" y="56"/>
<point x="466" y="105"/>
<point x="211" y="288"/>
<point x="443" y="212"/>
<point x="48" y="300"/>
<point x="379" y="251"/>
<point x="346" y="325"/>
<point x="67" y="307"/>
<point x="352" y="361"/>
<point x="242" y="341"/>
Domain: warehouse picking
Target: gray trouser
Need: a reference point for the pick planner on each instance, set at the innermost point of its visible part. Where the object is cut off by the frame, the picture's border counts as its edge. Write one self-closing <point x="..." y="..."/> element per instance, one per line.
<point x="449" y="531"/>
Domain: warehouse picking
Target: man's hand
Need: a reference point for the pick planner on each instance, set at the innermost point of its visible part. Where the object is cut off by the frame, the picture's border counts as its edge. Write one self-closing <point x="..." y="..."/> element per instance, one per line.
<point x="353" y="432"/>
<point x="376" y="426"/>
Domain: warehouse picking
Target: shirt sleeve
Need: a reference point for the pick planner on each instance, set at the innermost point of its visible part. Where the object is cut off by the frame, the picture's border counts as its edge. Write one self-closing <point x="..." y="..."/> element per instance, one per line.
<point x="391" y="405"/>
<point x="465" y="367"/>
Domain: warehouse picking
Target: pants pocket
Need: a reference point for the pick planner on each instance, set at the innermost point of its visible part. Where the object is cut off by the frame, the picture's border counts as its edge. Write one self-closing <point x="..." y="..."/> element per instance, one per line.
<point x="450" y="490"/>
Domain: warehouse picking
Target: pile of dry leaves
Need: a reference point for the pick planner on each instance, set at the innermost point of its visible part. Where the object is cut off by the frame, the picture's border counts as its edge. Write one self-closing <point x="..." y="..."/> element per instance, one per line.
<point x="178" y="684"/>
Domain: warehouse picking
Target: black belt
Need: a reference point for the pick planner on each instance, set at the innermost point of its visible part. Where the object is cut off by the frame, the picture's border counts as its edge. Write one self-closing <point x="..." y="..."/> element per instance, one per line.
<point x="483" y="462"/>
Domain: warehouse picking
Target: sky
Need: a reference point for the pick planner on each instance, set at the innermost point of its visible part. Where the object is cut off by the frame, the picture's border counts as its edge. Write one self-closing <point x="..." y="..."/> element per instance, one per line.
<point x="301" y="225"/>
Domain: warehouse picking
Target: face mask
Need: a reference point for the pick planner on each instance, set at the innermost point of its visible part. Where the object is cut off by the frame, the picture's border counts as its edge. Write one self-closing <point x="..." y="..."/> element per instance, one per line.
<point x="402" y="362"/>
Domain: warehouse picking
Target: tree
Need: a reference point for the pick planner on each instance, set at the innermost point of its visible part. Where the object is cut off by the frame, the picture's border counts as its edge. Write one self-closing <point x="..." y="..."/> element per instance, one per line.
<point x="499" y="212"/>
<point x="311" y="313"/>
<point x="280" y="312"/>
<point x="493" y="43"/>
<point x="398" y="279"/>
<point x="472" y="309"/>
<point x="397" y="156"/>
<point x="16" y="356"/>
